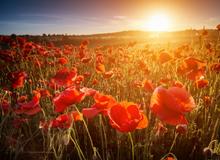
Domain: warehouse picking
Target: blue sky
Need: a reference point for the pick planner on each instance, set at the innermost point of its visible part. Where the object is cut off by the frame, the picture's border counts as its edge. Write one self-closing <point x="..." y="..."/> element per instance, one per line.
<point x="98" y="16"/>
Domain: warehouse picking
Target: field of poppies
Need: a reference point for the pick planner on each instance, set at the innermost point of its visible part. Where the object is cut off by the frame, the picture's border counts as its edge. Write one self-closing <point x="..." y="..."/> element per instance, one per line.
<point x="120" y="102"/>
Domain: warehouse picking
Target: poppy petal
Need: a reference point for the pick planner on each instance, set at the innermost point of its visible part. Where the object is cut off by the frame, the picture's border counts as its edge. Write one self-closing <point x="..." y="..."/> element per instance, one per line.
<point x="143" y="123"/>
<point x="33" y="111"/>
<point x="67" y="98"/>
<point x="90" y="112"/>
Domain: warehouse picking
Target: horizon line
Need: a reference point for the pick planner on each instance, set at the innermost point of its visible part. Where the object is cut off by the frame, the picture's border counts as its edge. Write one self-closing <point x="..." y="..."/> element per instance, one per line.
<point x="100" y="33"/>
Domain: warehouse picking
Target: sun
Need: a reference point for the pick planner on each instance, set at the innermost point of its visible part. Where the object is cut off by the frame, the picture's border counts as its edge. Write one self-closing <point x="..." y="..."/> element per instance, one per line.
<point x="157" y="23"/>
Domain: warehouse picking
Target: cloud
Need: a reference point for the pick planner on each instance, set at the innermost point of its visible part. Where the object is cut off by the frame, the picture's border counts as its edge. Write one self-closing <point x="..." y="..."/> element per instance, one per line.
<point x="120" y="17"/>
<point x="31" y="19"/>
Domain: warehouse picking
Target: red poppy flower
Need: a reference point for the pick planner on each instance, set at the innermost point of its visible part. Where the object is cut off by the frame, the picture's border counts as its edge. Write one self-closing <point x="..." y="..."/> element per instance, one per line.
<point x="85" y="42"/>
<point x="142" y="64"/>
<point x="88" y="91"/>
<point x="85" y="60"/>
<point x="22" y="99"/>
<point x="30" y="108"/>
<point x="67" y="51"/>
<point x="169" y="158"/>
<point x="65" y="77"/>
<point x="102" y="104"/>
<point x="194" y="63"/>
<point x="62" y="61"/>
<point x="45" y="93"/>
<point x="99" y="57"/>
<point x="192" y="68"/>
<point x="66" y="98"/>
<point x="21" y="41"/>
<point x="4" y="105"/>
<point x="148" y="86"/>
<point x="177" y="52"/>
<point x="164" y="57"/>
<point x="27" y="49"/>
<point x="62" y="121"/>
<point x="82" y="52"/>
<point x="103" y="101"/>
<point x="41" y="50"/>
<point x="170" y="105"/>
<point x="196" y="74"/>
<point x="95" y="81"/>
<point x="108" y="74"/>
<point x="17" y="79"/>
<point x="7" y="55"/>
<point x="100" y="68"/>
<point x="208" y="46"/>
<point x="215" y="67"/>
<point x="65" y="120"/>
<point x="201" y="83"/>
<point x="79" y="79"/>
<point x="126" y="117"/>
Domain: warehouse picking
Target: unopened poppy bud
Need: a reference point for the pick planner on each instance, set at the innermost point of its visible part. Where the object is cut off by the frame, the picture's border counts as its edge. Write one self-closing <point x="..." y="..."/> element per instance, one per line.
<point x="181" y="128"/>
<point x="30" y="81"/>
<point x="207" y="100"/>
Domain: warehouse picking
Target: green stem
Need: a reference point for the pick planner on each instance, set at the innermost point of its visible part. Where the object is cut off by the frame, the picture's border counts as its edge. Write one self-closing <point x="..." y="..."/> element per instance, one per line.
<point x="101" y="135"/>
<point x="79" y="150"/>
<point x="174" y="141"/>
<point x="95" y="152"/>
<point x="132" y="145"/>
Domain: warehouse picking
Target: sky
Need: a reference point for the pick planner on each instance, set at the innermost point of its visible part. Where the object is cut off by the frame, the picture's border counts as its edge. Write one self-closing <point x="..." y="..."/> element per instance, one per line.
<point x="101" y="16"/>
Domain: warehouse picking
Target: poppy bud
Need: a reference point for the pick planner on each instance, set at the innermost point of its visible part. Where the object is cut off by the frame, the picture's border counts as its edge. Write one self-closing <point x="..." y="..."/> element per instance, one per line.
<point x="181" y="128"/>
<point x="201" y="83"/>
<point x="207" y="100"/>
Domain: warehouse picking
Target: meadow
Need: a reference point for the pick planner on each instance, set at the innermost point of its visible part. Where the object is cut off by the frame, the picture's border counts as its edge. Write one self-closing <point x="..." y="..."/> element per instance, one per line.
<point x="122" y="96"/>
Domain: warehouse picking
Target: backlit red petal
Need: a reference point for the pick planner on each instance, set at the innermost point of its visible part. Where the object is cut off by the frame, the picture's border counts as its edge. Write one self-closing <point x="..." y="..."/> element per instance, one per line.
<point x="66" y="98"/>
<point x="90" y="112"/>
